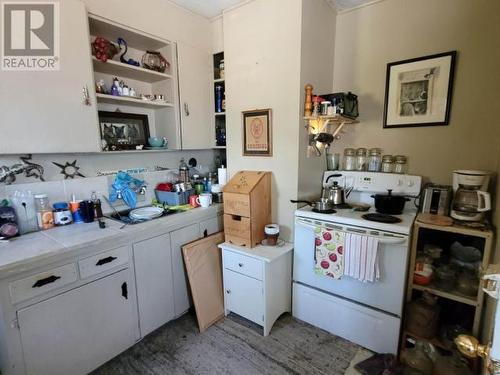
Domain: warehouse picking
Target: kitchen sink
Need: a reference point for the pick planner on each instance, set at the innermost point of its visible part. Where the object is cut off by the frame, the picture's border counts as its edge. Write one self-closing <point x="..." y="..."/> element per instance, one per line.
<point x="123" y="216"/>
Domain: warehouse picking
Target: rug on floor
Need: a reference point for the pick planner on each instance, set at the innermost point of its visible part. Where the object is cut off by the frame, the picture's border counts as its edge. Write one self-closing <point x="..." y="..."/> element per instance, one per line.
<point x="235" y="346"/>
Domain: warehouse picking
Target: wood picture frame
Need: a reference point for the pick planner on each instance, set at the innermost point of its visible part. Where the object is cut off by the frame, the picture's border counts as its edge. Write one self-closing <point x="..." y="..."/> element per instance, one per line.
<point x="257" y="132"/>
<point x="418" y="91"/>
<point x="123" y="131"/>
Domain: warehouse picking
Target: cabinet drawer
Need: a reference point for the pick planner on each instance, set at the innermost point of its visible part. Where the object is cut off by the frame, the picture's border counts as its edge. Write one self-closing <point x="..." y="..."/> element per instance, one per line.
<point x="243" y="264"/>
<point x="237" y="204"/>
<point x="102" y="262"/>
<point x="238" y="230"/>
<point x="43" y="282"/>
<point x="244" y="296"/>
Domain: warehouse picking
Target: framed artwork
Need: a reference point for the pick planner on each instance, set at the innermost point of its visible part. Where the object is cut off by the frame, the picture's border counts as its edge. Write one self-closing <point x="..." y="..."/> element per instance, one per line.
<point x="123" y="131"/>
<point x="257" y="133"/>
<point x="418" y="91"/>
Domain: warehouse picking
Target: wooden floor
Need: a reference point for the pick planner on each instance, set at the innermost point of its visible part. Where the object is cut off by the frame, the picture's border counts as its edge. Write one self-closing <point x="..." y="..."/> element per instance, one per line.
<point x="235" y="346"/>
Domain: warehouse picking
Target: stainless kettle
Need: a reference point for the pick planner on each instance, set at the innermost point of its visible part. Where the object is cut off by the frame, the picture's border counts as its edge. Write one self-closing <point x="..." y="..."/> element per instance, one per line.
<point x="336" y="194"/>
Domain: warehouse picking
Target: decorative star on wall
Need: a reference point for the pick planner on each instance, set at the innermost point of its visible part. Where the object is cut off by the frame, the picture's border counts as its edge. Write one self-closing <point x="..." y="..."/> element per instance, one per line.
<point x="69" y="170"/>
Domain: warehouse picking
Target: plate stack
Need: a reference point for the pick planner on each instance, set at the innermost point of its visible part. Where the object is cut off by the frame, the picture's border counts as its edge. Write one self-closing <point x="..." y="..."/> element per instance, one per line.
<point x="146" y="213"/>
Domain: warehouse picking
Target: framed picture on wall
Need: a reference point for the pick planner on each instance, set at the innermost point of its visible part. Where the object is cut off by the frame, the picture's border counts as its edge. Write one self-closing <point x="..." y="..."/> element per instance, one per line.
<point x="123" y="131"/>
<point x="418" y="91"/>
<point x="257" y="133"/>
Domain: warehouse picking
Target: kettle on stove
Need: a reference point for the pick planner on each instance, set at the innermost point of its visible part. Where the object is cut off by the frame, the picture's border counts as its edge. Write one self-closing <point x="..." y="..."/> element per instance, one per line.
<point x="471" y="199"/>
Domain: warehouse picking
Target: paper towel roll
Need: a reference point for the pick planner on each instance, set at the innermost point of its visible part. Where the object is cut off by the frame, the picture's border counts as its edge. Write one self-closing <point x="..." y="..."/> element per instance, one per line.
<point x="222" y="175"/>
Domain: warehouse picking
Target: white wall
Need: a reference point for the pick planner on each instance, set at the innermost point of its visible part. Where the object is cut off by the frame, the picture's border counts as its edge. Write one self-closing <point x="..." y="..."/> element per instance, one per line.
<point x="262" y="58"/>
<point x="370" y="37"/>
<point x="272" y="49"/>
<point x="217" y="34"/>
<point x="317" y="59"/>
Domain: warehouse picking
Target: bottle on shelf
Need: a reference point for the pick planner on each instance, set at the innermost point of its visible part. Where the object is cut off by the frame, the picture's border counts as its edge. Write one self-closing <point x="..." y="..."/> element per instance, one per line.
<point x="218" y="98"/>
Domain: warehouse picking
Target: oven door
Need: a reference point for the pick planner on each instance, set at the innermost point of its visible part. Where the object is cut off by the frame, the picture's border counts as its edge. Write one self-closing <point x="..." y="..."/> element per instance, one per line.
<point x="386" y="294"/>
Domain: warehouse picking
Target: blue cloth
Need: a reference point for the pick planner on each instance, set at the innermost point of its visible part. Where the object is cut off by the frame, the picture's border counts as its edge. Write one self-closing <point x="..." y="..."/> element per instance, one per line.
<point x="127" y="185"/>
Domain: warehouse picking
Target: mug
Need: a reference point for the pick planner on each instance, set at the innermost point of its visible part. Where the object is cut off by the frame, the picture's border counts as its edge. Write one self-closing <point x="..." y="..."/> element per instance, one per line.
<point x="193" y="201"/>
<point x="87" y="211"/>
<point x="204" y="200"/>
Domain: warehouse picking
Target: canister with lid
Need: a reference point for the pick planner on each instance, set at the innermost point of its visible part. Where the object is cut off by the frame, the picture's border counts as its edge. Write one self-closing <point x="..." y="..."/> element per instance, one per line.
<point x="387" y="164"/>
<point x="349" y="159"/>
<point x="375" y="160"/>
<point x="62" y="214"/>
<point x="361" y="159"/>
<point x="44" y="212"/>
<point x="400" y="165"/>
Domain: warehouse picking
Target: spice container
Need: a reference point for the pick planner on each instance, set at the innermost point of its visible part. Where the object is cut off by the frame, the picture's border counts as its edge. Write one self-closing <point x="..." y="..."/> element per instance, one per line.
<point x="387" y="164"/>
<point x="361" y="159"/>
<point x="400" y="165"/>
<point x="349" y="159"/>
<point x="44" y="213"/>
<point x="375" y="160"/>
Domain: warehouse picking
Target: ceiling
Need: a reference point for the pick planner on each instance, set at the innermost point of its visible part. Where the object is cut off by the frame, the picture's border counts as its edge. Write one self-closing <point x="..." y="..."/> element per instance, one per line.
<point x="213" y="8"/>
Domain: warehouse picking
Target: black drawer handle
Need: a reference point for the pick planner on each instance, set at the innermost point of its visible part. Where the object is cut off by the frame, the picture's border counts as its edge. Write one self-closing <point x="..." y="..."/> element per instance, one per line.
<point x="47" y="280"/>
<point x="125" y="290"/>
<point x="240" y="264"/>
<point x="102" y="261"/>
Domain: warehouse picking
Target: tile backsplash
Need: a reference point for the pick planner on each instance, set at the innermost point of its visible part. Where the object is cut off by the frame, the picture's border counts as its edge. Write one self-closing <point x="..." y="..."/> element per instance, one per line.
<point x="82" y="188"/>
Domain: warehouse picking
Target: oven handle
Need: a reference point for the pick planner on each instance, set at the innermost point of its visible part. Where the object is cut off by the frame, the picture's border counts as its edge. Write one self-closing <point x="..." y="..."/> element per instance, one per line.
<point x="383" y="240"/>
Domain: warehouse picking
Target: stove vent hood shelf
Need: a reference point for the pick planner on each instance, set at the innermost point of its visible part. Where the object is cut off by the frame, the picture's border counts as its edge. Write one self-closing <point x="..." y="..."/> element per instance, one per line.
<point x="323" y="130"/>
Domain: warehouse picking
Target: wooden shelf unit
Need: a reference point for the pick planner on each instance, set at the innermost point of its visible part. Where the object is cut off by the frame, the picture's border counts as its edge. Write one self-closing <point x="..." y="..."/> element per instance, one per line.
<point x="475" y="302"/>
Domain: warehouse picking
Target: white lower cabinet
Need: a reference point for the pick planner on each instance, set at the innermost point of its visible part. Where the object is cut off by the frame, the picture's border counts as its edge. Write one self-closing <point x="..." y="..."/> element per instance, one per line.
<point x="153" y="274"/>
<point x="76" y="331"/>
<point x="244" y="296"/>
<point x="257" y="282"/>
<point x="179" y="238"/>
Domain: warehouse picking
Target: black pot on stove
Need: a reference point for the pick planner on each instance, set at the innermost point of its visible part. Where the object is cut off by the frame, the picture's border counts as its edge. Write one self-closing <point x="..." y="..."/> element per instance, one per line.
<point x="390" y="204"/>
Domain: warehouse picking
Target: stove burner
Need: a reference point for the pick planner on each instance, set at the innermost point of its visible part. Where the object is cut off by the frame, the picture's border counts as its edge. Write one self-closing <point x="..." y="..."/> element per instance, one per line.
<point x="330" y="211"/>
<point x="382" y="218"/>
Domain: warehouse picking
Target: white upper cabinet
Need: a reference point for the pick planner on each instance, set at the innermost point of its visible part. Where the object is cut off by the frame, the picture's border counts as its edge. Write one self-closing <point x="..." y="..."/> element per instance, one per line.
<point x="195" y="80"/>
<point x="45" y="111"/>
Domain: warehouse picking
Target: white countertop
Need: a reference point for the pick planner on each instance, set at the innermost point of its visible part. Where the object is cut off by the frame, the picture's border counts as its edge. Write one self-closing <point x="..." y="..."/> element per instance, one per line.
<point x="29" y="249"/>
<point x="265" y="253"/>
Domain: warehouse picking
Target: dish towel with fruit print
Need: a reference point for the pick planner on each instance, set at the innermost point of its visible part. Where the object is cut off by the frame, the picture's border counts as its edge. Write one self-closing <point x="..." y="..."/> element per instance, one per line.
<point x="328" y="252"/>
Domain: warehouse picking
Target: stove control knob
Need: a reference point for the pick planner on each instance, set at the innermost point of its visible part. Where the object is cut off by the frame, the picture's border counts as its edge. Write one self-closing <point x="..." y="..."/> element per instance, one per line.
<point x="411" y="183"/>
<point x="400" y="182"/>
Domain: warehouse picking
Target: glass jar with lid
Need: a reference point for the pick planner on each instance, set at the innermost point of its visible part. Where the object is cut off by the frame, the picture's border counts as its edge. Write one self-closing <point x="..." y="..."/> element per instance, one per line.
<point x="361" y="159"/>
<point x="387" y="164"/>
<point x="349" y="159"/>
<point x="400" y="165"/>
<point x="375" y="160"/>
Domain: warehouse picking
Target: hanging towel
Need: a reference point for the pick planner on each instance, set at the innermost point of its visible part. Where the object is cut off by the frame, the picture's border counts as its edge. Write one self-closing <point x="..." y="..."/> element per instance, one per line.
<point x="328" y="252"/>
<point x="361" y="257"/>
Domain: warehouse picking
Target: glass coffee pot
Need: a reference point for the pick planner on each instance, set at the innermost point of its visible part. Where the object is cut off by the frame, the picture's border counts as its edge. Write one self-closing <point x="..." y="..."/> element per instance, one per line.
<point x="471" y="199"/>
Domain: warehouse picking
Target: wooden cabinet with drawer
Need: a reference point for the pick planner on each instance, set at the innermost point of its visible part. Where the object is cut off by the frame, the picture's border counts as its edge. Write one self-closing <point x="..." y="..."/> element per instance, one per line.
<point x="247" y="207"/>
<point x="257" y="282"/>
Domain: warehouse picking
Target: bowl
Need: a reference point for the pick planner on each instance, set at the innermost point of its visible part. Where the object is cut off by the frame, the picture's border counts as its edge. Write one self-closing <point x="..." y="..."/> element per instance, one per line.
<point x="155" y="142"/>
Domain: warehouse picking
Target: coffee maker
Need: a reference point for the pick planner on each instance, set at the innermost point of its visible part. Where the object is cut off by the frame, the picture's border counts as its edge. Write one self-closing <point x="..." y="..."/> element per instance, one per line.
<point x="471" y="198"/>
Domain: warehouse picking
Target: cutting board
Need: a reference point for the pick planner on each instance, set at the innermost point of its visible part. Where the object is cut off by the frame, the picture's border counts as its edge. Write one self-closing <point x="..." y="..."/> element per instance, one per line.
<point x="204" y="269"/>
<point x="441" y="220"/>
